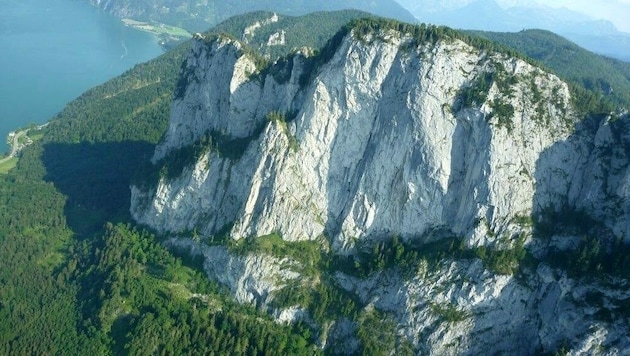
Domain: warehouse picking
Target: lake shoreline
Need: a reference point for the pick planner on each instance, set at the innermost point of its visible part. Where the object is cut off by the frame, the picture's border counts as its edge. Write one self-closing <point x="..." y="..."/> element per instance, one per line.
<point x="13" y="140"/>
<point x="168" y="36"/>
<point x="48" y="65"/>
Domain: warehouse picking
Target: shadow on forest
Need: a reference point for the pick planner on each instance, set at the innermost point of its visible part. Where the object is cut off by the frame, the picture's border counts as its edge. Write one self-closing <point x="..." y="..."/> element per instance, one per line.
<point x="95" y="177"/>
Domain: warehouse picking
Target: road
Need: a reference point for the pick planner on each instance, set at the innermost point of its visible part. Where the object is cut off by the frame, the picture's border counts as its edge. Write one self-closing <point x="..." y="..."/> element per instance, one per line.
<point x="15" y="147"/>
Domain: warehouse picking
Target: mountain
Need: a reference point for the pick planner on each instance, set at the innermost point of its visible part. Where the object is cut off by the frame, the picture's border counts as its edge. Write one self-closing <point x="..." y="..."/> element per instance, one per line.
<point x="197" y="16"/>
<point x="392" y="128"/>
<point x="599" y="36"/>
<point x="452" y="196"/>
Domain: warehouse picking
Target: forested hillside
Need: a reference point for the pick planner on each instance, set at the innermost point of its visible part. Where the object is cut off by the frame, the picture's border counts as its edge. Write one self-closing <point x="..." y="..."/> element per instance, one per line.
<point x="197" y="16"/>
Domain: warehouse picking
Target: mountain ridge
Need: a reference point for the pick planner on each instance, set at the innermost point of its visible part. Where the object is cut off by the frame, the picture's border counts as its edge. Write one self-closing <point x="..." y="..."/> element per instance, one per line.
<point x="350" y="157"/>
<point x="599" y="36"/>
<point x="96" y="283"/>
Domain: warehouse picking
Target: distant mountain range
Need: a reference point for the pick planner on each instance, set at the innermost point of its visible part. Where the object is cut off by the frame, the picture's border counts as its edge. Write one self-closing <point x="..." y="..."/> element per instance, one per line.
<point x="599" y="36"/>
<point x="201" y="15"/>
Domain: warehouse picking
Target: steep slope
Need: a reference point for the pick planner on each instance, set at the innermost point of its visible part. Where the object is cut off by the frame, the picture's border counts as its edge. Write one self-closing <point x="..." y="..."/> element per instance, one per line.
<point x="607" y="76"/>
<point x="403" y="171"/>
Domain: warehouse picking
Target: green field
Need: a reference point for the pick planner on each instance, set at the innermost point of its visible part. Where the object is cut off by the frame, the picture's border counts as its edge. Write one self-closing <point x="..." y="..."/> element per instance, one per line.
<point x="35" y="135"/>
<point x="158" y="29"/>
<point x="7" y="165"/>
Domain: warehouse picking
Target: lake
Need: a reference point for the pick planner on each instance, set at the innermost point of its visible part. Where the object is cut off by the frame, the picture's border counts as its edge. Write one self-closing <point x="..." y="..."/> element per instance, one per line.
<point x="54" y="50"/>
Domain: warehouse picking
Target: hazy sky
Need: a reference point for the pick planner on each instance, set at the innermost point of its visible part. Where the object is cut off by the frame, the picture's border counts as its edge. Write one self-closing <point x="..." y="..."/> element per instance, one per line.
<point x="616" y="11"/>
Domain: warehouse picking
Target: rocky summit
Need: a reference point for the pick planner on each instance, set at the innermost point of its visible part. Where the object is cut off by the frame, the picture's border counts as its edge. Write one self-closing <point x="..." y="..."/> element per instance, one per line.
<point x="471" y="166"/>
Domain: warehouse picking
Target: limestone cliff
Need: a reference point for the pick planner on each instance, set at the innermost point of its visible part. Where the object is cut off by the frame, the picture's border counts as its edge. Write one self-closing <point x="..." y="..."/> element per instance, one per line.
<point x="382" y="134"/>
<point x="376" y="142"/>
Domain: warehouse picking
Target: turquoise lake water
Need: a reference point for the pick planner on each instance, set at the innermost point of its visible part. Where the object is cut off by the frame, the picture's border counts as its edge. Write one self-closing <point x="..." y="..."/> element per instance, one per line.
<point x="52" y="51"/>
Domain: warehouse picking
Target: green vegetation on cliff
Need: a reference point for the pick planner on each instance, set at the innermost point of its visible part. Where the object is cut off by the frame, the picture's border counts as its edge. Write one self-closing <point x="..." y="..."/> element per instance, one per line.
<point x="606" y="77"/>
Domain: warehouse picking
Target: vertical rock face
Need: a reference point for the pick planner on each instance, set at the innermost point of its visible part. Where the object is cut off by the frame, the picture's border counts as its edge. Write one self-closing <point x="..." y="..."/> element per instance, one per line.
<point x="590" y="171"/>
<point x="375" y="142"/>
<point x="382" y="135"/>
